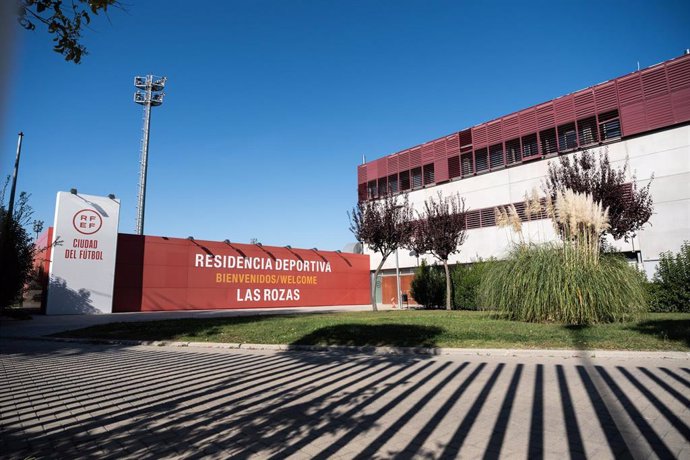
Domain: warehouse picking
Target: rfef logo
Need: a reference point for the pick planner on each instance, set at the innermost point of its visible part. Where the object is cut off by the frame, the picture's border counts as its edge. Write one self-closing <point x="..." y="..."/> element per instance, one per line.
<point x="87" y="221"/>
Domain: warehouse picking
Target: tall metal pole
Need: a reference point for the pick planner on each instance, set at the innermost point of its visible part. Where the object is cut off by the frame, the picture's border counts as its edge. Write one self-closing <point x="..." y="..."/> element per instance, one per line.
<point x="143" y="167"/>
<point x="397" y="279"/>
<point x="150" y="96"/>
<point x="10" y="208"/>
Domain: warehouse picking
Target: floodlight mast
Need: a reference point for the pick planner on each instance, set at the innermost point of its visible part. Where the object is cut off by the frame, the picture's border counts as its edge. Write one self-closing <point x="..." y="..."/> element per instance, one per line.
<point x="149" y="94"/>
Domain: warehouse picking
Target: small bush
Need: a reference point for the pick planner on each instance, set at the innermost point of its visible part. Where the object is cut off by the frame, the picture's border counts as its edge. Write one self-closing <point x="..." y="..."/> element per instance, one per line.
<point x="537" y="284"/>
<point x="466" y="281"/>
<point x="671" y="287"/>
<point x="428" y="286"/>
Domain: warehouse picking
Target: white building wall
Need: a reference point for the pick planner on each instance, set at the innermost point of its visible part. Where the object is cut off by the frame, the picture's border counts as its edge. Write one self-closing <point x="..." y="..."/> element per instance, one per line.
<point x="665" y="155"/>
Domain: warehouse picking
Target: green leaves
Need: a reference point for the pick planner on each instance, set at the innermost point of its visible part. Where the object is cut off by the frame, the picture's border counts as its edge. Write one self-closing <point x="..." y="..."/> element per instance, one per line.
<point x="66" y="30"/>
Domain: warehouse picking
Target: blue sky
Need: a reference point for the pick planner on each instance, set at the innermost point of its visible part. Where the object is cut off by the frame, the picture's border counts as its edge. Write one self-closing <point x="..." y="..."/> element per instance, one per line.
<point x="270" y="105"/>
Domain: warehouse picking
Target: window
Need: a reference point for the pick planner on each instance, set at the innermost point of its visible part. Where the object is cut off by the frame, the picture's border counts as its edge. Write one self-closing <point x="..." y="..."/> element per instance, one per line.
<point x="453" y="167"/>
<point x="496" y="156"/>
<point x="416" y="177"/>
<point x="383" y="186"/>
<point x="467" y="164"/>
<point x="488" y="217"/>
<point x="567" y="138"/>
<point x="473" y="220"/>
<point x="362" y="192"/>
<point x="371" y="189"/>
<point x="405" y="180"/>
<point x="529" y="146"/>
<point x="513" y="152"/>
<point x="393" y="183"/>
<point x="588" y="131"/>
<point x="481" y="158"/>
<point x="609" y="125"/>
<point x="429" y="174"/>
<point x="548" y="141"/>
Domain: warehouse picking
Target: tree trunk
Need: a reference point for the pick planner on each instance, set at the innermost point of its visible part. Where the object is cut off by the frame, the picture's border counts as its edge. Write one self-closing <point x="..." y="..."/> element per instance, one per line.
<point x="445" y="267"/>
<point x="373" y="285"/>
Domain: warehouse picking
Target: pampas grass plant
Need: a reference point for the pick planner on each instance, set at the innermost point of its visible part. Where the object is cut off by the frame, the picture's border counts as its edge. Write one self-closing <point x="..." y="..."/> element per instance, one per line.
<point x="569" y="282"/>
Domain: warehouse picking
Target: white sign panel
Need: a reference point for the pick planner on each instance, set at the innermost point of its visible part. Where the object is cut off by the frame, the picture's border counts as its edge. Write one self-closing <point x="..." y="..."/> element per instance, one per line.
<point x="82" y="266"/>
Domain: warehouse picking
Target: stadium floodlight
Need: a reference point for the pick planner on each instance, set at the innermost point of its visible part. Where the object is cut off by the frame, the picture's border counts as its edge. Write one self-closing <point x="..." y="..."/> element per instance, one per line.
<point x="149" y="94"/>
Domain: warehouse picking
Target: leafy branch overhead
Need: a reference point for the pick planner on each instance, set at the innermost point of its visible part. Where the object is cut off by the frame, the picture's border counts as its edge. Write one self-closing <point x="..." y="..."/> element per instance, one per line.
<point x="64" y="22"/>
<point x="629" y="207"/>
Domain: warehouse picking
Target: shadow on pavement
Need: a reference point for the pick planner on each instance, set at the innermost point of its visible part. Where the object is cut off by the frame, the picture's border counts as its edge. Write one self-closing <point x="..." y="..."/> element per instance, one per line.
<point x="76" y="400"/>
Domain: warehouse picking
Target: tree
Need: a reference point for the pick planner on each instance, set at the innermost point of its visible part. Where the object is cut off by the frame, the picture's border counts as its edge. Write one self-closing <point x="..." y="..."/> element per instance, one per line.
<point x="427" y="285"/>
<point x="64" y="22"/>
<point x="672" y="280"/>
<point x="629" y="207"/>
<point x="16" y="250"/>
<point x="440" y="231"/>
<point x="384" y="225"/>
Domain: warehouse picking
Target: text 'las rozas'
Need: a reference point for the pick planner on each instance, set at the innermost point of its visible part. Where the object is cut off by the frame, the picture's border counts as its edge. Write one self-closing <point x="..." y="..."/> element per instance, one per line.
<point x="267" y="295"/>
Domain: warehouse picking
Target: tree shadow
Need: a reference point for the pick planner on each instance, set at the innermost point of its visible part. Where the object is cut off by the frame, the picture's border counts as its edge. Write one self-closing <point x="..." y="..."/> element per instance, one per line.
<point x="66" y="300"/>
<point x="169" y="329"/>
<point x="665" y="329"/>
<point x="393" y="335"/>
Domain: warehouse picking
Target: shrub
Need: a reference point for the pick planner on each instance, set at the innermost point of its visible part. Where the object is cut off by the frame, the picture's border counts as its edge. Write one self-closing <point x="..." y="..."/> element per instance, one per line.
<point x="466" y="280"/>
<point x="428" y="286"/>
<point x="537" y="284"/>
<point x="671" y="291"/>
<point x="16" y="251"/>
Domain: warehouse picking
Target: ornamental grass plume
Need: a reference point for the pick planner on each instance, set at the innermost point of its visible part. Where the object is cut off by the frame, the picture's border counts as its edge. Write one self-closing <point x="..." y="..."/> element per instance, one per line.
<point x="533" y="207"/>
<point x="580" y="221"/>
<point x="501" y="217"/>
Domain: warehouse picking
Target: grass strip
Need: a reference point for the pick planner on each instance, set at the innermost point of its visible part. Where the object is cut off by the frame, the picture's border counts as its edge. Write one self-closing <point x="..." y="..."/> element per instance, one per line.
<point x="454" y="329"/>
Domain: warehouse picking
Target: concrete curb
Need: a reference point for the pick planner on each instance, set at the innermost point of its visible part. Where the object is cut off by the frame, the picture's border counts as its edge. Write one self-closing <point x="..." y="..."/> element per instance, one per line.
<point x="496" y="352"/>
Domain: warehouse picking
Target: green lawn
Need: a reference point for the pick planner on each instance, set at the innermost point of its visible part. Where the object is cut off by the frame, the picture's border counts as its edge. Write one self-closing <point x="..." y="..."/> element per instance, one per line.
<point x="462" y="329"/>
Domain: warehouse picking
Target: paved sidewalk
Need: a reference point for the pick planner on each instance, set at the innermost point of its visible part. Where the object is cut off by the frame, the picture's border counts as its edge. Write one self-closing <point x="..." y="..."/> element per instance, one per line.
<point x="71" y="400"/>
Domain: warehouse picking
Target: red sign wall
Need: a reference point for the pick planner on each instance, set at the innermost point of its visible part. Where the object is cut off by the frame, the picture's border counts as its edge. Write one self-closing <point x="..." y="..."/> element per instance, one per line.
<point x="158" y="273"/>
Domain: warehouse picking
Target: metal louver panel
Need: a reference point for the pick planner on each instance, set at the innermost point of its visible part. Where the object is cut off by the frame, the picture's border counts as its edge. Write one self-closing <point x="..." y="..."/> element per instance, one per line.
<point x="605" y="97"/>
<point x="633" y="119"/>
<point x="361" y="192"/>
<point x="488" y="217"/>
<point x="393" y="164"/>
<point x="528" y="121"/>
<point x="362" y="174"/>
<point x="453" y="145"/>
<point x="427" y="152"/>
<point x="681" y="105"/>
<point x="382" y="167"/>
<point x="545" y="116"/>
<point x="473" y="220"/>
<point x="479" y="136"/>
<point x="404" y="160"/>
<point x="659" y="111"/>
<point x="679" y="74"/>
<point x="454" y="167"/>
<point x="630" y="90"/>
<point x="654" y="82"/>
<point x="584" y="103"/>
<point x="511" y="126"/>
<point x="494" y="132"/>
<point x="372" y="170"/>
<point x="465" y="140"/>
<point x="440" y="161"/>
<point x="415" y="157"/>
<point x="564" y="108"/>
